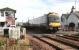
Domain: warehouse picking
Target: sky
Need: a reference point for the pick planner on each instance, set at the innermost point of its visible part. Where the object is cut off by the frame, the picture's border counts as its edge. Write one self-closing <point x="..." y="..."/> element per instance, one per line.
<point x="30" y="9"/>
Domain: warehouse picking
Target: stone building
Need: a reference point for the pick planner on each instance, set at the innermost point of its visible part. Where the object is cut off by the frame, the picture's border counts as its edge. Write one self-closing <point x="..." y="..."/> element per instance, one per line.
<point x="70" y="19"/>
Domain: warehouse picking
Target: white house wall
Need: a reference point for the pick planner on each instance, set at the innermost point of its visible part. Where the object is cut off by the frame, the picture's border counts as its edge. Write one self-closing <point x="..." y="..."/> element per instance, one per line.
<point x="72" y="18"/>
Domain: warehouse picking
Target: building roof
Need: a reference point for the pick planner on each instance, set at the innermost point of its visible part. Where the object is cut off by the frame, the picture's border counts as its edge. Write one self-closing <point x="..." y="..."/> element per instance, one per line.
<point x="64" y="16"/>
<point x="67" y="15"/>
<point x="7" y="9"/>
<point x="76" y="13"/>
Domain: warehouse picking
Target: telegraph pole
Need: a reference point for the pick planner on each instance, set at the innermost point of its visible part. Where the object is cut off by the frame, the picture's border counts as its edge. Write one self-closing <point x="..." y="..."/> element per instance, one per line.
<point x="75" y="4"/>
<point x="28" y="21"/>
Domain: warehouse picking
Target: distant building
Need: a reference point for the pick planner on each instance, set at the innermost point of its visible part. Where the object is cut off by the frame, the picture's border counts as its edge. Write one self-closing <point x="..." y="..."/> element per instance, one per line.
<point x="7" y="17"/>
<point x="70" y="19"/>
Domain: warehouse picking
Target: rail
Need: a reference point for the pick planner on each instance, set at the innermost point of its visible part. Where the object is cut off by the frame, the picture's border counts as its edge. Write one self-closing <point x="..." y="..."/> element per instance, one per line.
<point x="64" y="41"/>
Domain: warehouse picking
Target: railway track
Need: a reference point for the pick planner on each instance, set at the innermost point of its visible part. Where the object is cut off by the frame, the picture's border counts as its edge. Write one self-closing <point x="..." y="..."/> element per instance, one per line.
<point x="71" y="37"/>
<point x="57" y="44"/>
<point x="53" y="46"/>
<point x="65" y="41"/>
<point x="71" y="40"/>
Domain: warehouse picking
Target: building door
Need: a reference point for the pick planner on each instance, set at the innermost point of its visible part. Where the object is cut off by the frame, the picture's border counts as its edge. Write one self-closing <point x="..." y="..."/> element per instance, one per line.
<point x="6" y="32"/>
<point x="71" y="26"/>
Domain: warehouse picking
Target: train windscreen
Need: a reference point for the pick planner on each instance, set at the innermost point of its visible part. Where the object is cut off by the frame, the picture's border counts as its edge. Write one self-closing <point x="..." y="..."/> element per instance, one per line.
<point x="53" y="18"/>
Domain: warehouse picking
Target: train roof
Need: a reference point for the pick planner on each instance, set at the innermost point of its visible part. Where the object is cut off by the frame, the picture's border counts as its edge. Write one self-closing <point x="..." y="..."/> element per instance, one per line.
<point x="53" y="14"/>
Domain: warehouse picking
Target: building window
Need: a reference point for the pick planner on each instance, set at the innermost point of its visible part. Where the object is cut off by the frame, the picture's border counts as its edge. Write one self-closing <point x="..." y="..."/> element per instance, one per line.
<point x="7" y="14"/>
<point x="2" y="24"/>
<point x="2" y="14"/>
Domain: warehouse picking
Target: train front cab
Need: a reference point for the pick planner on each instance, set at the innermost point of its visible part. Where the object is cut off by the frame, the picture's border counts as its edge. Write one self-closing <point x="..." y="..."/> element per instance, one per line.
<point x="55" y="26"/>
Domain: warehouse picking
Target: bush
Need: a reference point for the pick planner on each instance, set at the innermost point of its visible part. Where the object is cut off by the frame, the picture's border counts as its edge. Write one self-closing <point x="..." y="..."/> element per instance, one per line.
<point x="2" y="43"/>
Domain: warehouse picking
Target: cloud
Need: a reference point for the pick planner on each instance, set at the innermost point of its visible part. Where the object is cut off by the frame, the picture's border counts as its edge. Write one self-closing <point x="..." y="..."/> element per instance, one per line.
<point x="61" y="6"/>
<point x="35" y="8"/>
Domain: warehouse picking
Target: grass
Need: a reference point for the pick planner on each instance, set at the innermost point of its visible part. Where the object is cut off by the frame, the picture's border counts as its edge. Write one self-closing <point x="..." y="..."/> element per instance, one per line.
<point x="4" y="44"/>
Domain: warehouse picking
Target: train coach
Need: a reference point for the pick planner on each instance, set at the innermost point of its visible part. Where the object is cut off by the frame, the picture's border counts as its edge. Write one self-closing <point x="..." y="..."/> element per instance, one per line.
<point x="48" y="22"/>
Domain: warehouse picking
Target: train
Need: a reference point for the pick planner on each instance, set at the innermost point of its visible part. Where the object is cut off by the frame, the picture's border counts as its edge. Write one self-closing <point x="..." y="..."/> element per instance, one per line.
<point x="48" y="22"/>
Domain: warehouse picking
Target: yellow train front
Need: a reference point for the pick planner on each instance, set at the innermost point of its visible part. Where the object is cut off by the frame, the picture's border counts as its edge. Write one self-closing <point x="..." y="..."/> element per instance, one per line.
<point x="54" y="26"/>
<point x="54" y="23"/>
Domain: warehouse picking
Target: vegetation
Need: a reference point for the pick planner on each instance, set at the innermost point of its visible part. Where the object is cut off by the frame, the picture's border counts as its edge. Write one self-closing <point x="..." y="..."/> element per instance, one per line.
<point x="2" y="42"/>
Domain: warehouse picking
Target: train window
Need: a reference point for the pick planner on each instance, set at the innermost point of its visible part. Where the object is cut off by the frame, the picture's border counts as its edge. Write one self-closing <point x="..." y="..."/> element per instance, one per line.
<point x="55" y="18"/>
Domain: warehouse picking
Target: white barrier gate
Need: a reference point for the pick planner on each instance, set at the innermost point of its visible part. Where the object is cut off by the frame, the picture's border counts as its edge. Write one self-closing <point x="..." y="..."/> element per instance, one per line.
<point x="14" y="32"/>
